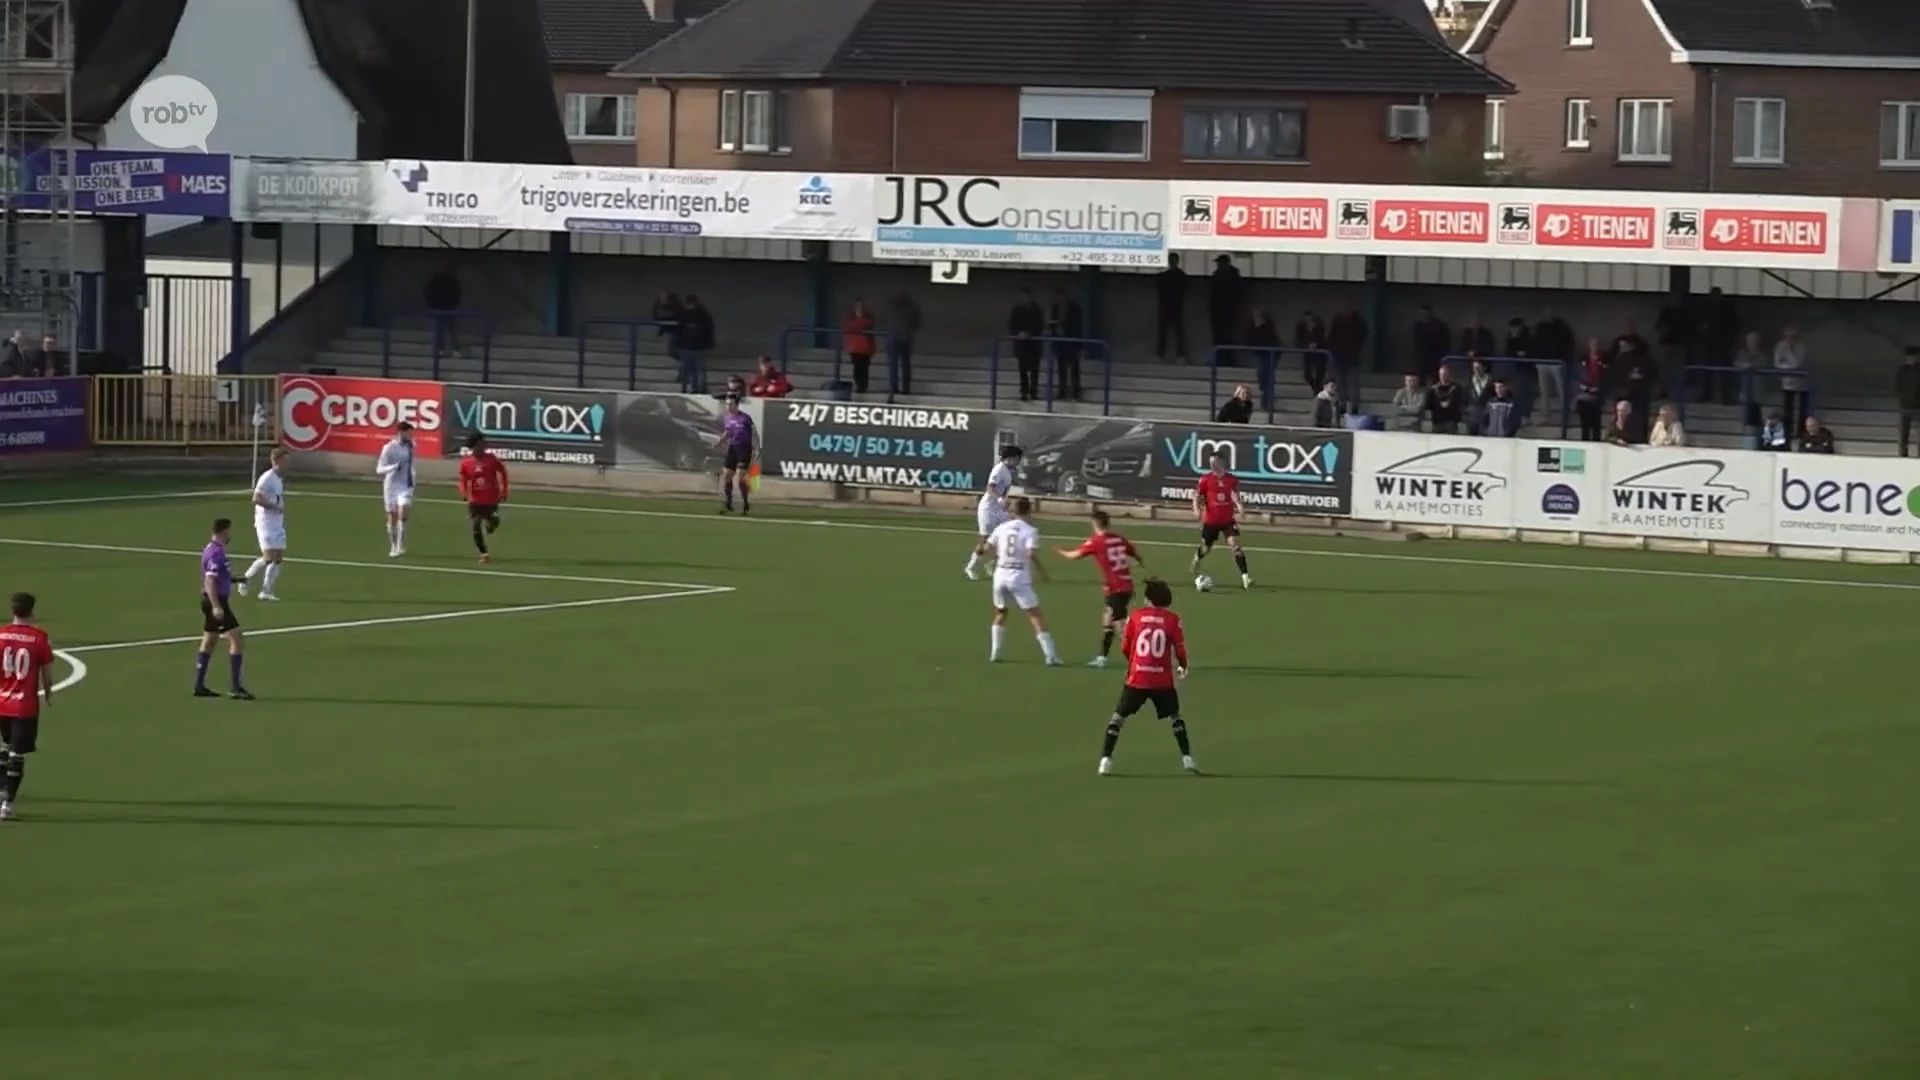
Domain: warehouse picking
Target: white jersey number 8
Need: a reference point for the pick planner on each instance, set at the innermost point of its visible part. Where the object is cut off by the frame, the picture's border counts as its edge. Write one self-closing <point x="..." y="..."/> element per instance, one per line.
<point x="1151" y="644"/>
<point x="15" y="663"/>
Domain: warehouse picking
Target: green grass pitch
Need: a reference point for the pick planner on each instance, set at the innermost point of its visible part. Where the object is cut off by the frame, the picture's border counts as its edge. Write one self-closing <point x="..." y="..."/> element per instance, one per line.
<point x="1488" y="812"/>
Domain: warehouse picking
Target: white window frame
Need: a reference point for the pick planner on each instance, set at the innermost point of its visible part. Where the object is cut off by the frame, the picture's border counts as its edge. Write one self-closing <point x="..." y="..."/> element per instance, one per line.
<point x="1627" y="133"/>
<point x="751" y="122"/>
<point x="1579" y="121"/>
<point x="1906" y="156"/>
<point x="1495" y="148"/>
<point x="626" y="118"/>
<point x="1580" y="22"/>
<point x="1051" y="104"/>
<point x="1753" y="127"/>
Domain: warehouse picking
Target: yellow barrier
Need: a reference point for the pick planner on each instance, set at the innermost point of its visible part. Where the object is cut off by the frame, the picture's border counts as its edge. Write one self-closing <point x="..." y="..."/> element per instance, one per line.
<point x="184" y="410"/>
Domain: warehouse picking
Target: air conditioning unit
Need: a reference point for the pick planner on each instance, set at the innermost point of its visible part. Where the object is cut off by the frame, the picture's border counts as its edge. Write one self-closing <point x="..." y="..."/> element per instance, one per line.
<point x="1407" y="123"/>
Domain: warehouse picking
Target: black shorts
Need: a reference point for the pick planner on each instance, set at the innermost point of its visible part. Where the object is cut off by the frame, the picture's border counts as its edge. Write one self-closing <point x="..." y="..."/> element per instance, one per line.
<point x="1118" y="603"/>
<point x="484" y="511"/>
<point x="1166" y="703"/>
<point x="1211" y="534"/>
<point x="20" y="734"/>
<point x="739" y="457"/>
<point x="225" y="623"/>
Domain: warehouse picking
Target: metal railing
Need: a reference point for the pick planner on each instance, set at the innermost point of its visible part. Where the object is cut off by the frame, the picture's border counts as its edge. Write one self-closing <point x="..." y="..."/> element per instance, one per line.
<point x="632" y="328"/>
<point x="1744" y="378"/>
<point x="1050" y="361"/>
<point x="1266" y="376"/>
<point x="186" y="411"/>
<point x="882" y="345"/>
<point x="446" y="341"/>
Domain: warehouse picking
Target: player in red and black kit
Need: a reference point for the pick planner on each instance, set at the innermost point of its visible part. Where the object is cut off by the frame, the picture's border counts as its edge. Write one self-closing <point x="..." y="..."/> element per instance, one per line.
<point x="1216" y="502"/>
<point x="26" y="676"/>
<point x="1156" y="649"/>
<point x="483" y="483"/>
<point x="1116" y="557"/>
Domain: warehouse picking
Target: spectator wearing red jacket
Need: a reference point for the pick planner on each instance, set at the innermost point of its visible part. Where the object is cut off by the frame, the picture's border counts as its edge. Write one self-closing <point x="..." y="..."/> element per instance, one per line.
<point x="856" y="336"/>
<point x="769" y="381"/>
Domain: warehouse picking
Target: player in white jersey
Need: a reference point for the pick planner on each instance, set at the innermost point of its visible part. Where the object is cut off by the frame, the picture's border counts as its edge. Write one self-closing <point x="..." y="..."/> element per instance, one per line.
<point x="396" y="481"/>
<point x="1015" y="544"/>
<point x="269" y="526"/>
<point x="993" y="505"/>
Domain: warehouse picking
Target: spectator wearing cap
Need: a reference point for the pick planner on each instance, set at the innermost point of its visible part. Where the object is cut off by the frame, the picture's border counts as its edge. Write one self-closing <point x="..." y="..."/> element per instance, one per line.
<point x="769" y="381"/>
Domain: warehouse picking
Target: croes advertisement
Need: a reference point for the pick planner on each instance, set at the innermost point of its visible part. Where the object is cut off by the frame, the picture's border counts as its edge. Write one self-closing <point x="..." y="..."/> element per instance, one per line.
<point x="878" y="445"/>
<point x="340" y="415"/>
<point x="540" y="427"/>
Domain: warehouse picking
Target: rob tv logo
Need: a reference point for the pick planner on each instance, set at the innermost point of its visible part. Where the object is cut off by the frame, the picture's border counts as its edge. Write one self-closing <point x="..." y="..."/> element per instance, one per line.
<point x="174" y="112"/>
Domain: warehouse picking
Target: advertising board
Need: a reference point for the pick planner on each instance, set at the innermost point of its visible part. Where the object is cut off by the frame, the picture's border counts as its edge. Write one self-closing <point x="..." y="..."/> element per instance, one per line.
<point x="43" y="415"/>
<point x="305" y="191"/>
<point x="1015" y="220"/>
<point x="675" y="432"/>
<point x="893" y="446"/>
<point x="1435" y="480"/>
<point x="341" y="415"/>
<point x="129" y="182"/>
<point x="1823" y="500"/>
<point x="691" y="202"/>
<point x="539" y="427"/>
<point x="1281" y="470"/>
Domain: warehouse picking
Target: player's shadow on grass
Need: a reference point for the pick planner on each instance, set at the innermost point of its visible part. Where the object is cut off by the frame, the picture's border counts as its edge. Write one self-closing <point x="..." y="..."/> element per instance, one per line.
<point x="486" y="704"/>
<point x="1359" y="778"/>
<point x="1279" y="672"/>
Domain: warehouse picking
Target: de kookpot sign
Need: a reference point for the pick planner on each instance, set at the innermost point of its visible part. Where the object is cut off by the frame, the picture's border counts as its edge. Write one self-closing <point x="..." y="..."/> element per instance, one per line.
<point x="339" y="415"/>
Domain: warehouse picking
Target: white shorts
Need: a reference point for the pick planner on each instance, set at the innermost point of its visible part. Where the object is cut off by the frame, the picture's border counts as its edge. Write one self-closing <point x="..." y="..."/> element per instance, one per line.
<point x="1014" y="590"/>
<point x="272" y="535"/>
<point x="400" y="499"/>
<point x="990" y="517"/>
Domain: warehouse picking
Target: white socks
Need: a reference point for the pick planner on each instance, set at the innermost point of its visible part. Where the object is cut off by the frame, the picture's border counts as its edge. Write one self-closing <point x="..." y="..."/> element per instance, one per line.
<point x="254" y="570"/>
<point x="273" y="576"/>
<point x="973" y="562"/>
<point x="999" y="640"/>
<point x="1046" y="646"/>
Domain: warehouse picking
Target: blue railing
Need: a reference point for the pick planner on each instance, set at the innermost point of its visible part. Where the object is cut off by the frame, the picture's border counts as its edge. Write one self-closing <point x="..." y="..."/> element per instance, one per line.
<point x="632" y="328"/>
<point x="1267" y="378"/>
<point x="446" y="327"/>
<point x="1745" y="378"/>
<point x="1049" y="361"/>
<point x="882" y="346"/>
<point x="1523" y="390"/>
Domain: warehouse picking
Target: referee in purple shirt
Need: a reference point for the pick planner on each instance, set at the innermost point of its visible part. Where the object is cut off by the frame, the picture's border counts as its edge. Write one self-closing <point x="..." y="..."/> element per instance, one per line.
<point x="216" y="614"/>
<point x="736" y="432"/>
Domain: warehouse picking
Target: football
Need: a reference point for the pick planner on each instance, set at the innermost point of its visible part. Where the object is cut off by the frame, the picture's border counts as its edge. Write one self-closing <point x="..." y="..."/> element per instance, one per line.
<point x="1203" y="583"/>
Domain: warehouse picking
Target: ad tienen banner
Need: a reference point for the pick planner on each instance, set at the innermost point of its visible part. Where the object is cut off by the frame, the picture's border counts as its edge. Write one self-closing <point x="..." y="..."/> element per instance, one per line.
<point x="544" y="427"/>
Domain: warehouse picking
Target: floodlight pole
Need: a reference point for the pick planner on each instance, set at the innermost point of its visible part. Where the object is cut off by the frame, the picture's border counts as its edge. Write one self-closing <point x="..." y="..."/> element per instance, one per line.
<point x="473" y="35"/>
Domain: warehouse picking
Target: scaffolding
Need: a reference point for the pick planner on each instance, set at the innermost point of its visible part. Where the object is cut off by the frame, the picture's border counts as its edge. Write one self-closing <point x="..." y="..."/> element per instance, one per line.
<point x="39" y="229"/>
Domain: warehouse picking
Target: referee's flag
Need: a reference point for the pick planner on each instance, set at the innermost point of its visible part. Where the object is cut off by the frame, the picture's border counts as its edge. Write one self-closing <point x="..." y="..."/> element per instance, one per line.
<point x="753" y="478"/>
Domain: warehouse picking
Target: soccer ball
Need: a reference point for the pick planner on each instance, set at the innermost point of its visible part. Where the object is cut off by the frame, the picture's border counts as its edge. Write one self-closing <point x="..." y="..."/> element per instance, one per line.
<point x="1203" y="583"/>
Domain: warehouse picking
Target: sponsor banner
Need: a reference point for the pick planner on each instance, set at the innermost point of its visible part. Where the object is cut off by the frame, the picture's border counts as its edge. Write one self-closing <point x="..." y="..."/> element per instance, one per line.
<point x="539" y="427"/>
<point x="675" y="432"/>
<point x="1079" y="457"/>
<point x="1899" y="229"/>
<point x="129" y="182"/>
<point x="471" y="194"/>
<point x="305" y="191"/>
<point x="1722" y="495"/>
<point x="688" y="202"/>
<point x="339" y="415"/>
<point x="1434" y="479"/>
<point x="895" y="446"/>
<point x="1691" y="229"/>
<point x="1842" y="502"/>
<point x="1560" y="486"/>
<point x="1281" y="470"/>
<point x="1016" y="220"/>
<point x="43" y="414"/>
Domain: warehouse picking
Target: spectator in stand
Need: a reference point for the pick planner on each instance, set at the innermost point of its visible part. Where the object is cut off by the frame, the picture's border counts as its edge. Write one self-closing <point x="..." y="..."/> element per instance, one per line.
<point x="1329" y="408"/>
<point x="736" y="386"/>
<point x="696" y="341"/>
<point x="1590" y="390"/>
<point x="1906" y="389"/>
<point x="1479" y="392"/>
<point x="1626" y="428"/>
<point x="1790" y="355"/>
<point x="1432" y="341"/>
<point x="1262" y="334"/>
<point x="1667" y="429"/>
<point x="443" y="298"/>
<point x="1553" y="339"/>
<point x="1170" y="310"/>
<point x="46" y="361"/>
<point x="1477" y="339"/>
<point x="1446" y="402"/>
<point x="769" y="381"/>
<point x="1627" y="358"/>
<point x="1638" y="392"/>
<point x="1238" y="409"/>
<point x="1027" y="324"/>
<point x="1065" y="320"/>
<point x="1628" y="346"/>
<point x="1674" y="329"/>
<point x="856" y="336"/>
<point x="1409" y="404"/>
<point x="903" y="328"/>
<point x="1226" y="304"/>
<point x="1816" y="437"/>
<point x="1719" y="341"/>
<point x="1347" y="337"/>
<point x="669" y="316"/>
<point x="1773" y="434"/>
<point x="1503" y="412"/>
<point x="13" y="358"/>
<point x="1753" y="356"/>
<point x="1310" y="337"/>
<point x="1524" y="378"/>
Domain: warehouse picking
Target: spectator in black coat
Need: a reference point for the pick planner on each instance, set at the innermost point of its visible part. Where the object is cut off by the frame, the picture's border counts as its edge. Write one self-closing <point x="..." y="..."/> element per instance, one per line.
<point x="45" y="360"/>
<point x="1674" y="329"/>
<point x="1065" y="320"/>
<point x="1906" y="390"/>
<point x="1446" y="403"/>
<point x="1027" y="324"/>
<point x="1477" y="340"/>
<point x="1226" y="303"/>
<point x="1719" y="342"/>
<point x="1170" y="310"/>
<point x="1347" y="337"/>
<point x="442" y="296"/>
<point x="1310" y="337"/>
<point x="1261" y="333"/>
<point x="1502" y="420"/>
<point x="1237" y="409"/>
<point x="1627" y="427"/>
<point x="1816" y="437"/>
<point x="1432" y="341"/>
<point x="1329" y="408"/>
<point x="697" y="337"/>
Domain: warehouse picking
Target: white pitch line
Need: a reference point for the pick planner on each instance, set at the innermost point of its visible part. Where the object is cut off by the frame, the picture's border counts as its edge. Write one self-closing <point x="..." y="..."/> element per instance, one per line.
<point x="122" y="549"/>
<point x="77" y="674"/>
<point x="149" y="497"/>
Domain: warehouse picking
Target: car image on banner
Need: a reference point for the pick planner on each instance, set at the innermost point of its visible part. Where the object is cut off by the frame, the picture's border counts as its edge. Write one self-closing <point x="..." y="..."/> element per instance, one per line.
<point x="675" y="432"/>
<point x="1434" y="479"/>
<point x="339" y="415"/>
<point x="539" y="427"/>
<point x="1075" y="457"/>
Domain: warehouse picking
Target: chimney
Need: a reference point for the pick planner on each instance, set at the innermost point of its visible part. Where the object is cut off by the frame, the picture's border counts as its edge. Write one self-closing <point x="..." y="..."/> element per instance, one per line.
<point x="661" y="10"/>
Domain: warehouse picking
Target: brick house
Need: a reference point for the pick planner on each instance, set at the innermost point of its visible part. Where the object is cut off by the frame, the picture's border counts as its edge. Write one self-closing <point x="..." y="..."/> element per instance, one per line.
<point x="1226" y="89"/>
<point x="1811" y="97"/>
<point x="585" y="40"/>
